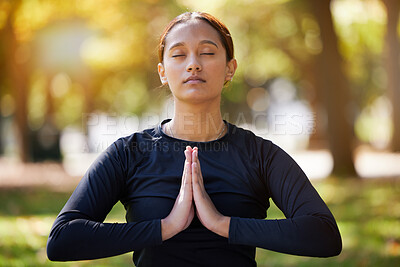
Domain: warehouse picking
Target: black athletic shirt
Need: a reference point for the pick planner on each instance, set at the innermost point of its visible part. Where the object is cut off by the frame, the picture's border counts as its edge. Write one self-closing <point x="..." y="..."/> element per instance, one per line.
<point x="241" y="173"/>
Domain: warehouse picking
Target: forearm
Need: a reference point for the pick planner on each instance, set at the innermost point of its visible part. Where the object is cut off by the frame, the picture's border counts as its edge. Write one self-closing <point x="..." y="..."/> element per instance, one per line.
<point x="304" y="235"/>
<point x="222" y="226"/>
<point x="82" y="239"/>
<point x="167" y="229"/>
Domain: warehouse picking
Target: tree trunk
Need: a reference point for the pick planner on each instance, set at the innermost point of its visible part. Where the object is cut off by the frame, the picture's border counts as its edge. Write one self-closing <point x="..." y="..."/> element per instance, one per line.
<point x="392" y="52"/>
<point x="318" y="137"/>
<point x="1" y="134"/>
<point x="335" y="92"/>
<point x="2" y="87"/>
<point x="18" y="82"/>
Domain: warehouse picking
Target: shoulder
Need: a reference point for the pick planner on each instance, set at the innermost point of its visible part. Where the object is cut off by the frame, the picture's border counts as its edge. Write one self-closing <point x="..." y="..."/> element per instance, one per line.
<point x="135" y="144"/>
<point x="248" y="139"/>
<point x="257" y="147"/>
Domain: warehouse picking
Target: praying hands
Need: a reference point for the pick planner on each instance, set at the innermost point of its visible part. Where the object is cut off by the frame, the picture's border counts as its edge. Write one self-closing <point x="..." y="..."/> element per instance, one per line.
<point x="193" y="197"/>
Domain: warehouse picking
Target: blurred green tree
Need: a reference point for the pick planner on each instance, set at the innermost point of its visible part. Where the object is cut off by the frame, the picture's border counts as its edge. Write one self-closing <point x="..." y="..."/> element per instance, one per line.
<point x="64" y="59"/>
<point x="296" y="39"/>
<point x="392" y="57"/>
<point x="335" y="89"/>
<point x="16" y="77"/>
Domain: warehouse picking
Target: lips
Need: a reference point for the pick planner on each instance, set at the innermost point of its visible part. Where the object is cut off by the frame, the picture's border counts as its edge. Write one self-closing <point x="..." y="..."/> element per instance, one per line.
<point x="194" y="79"/>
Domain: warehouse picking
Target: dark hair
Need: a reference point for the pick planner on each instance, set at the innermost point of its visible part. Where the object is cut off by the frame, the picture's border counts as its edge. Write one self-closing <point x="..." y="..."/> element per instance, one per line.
<point x="220" y="27"/>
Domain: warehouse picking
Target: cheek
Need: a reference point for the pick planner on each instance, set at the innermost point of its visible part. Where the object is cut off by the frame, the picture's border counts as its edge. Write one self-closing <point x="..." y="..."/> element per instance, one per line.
<point x="219" y="70"/>
<point x="171" y="72"/>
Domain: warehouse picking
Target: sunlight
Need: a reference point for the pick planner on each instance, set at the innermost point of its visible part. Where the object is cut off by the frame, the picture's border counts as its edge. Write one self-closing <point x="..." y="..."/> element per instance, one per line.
<point x="346" y="12"/>
<point x="210" y="6"/>
<point x="374" y="125"/>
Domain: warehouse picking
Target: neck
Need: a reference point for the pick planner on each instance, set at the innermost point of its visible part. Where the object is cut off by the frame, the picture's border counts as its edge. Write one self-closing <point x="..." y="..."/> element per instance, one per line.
<point x="196" y="122"/>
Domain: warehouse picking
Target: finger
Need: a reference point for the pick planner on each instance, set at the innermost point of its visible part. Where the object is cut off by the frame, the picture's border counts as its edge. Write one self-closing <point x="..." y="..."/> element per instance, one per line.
<point x="186" y="173"/>
<point x="197" y="179"/>
<point x="186" y="191"/>
<point x="187" y="166"/>
<point x="194" y="154"/>
<point x="195" y="158"/>
<point x="194" y="172"/>
<point x="192" y="151"/>
<point x="188" y="154"/>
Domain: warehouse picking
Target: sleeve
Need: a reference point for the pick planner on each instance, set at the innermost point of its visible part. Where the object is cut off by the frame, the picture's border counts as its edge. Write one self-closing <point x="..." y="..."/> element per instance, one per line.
<point x="79" y="233"/>
<point x="309" y="228"/>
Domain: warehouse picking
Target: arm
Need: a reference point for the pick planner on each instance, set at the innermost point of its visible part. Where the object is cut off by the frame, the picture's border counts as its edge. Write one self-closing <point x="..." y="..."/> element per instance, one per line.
<point x="79" y="232"/>
<point x="309" y="230"/>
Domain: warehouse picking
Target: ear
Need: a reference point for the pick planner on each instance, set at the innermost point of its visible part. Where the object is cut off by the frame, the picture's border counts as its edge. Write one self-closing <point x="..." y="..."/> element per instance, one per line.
<point x="231" y="67"/>
<point x="161" y="73"/>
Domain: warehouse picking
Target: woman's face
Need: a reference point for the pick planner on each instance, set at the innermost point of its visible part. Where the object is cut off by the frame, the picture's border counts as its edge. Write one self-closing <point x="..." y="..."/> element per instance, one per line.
<point x="195" y="65"/>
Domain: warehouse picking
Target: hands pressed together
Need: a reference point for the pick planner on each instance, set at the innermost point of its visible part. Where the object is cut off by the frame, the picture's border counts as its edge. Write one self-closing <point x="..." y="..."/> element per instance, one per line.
<point x="193" y="198"/>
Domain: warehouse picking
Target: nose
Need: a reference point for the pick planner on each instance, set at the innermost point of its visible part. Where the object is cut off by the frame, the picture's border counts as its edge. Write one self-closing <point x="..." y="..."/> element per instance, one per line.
<point x="193" y="64"/>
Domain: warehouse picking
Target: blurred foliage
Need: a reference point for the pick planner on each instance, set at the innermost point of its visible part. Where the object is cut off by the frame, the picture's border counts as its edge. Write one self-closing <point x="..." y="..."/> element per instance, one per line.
<point x="101" y="55"/>
<point x="361" y="30"/>
<point x="90" y="55"/>
<point x="370" y="227"/>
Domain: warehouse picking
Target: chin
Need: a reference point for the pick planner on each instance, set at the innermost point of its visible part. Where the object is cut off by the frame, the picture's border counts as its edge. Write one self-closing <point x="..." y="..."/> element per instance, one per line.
<point x="198" y="98"/>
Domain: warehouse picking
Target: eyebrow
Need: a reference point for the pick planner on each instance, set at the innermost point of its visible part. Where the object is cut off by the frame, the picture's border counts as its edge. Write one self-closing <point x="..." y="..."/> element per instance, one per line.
<point x="201" y="42"/>
<point x="176" y="45"/>
<point x="209" y="42"/>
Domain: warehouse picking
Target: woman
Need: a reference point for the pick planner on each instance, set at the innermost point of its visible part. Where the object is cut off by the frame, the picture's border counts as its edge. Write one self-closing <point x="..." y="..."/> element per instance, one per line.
<point x="196" y="188"/>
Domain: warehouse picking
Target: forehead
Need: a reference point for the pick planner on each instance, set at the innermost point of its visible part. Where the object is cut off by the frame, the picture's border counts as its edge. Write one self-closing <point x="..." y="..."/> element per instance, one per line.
<point x="192" y="31"/>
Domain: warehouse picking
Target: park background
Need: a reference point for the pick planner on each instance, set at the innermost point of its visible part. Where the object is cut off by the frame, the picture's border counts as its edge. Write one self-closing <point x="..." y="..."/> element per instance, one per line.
<point x="320" y="78"/>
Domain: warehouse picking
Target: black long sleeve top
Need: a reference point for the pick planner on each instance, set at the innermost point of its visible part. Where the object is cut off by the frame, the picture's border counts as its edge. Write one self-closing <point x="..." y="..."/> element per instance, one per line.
<point x="241" y="173"/>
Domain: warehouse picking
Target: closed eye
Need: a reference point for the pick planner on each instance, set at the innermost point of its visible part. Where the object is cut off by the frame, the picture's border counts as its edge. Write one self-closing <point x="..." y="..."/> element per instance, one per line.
<point x="178" y="55"/>
<point x="208" y="54"/>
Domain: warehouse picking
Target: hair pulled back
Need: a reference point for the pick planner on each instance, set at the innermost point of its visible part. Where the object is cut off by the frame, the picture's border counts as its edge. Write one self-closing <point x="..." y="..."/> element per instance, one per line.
<point x="220" y="27"/>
